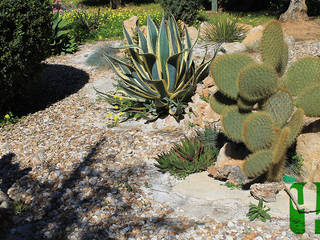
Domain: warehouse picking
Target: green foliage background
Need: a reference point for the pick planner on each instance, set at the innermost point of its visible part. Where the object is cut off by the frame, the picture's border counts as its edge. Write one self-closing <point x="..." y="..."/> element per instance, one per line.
<point x="25" y="30"/>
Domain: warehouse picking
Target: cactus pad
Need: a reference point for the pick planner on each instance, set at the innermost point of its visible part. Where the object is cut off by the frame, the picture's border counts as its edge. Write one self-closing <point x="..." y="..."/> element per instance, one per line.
<point x="295" y="124"/>
<point x="309" y="100"/>
<point x="225" y="70"/>
<point x="280" y="106"/>
<point x="257" y="163"/>
<point x="257" y="81"/>
<point x="280" y="145"/>
<point x="232" y="122"/>
<point x="219" y="102"/>
<point x="258" y="131"/>
<point x="271" y="45"/>
<point x="284" y="59"/>
<point x="302" y="74"/>
<point x="245" y="105"/>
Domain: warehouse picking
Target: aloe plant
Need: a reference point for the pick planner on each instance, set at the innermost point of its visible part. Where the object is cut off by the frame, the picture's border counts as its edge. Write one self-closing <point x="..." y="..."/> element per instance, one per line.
<point x="162" y="69"/>
<point x="191" y="155"/>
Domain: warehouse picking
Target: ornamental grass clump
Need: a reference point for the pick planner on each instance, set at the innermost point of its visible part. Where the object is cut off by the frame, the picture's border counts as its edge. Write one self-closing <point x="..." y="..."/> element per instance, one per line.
<point x="223" y="29"/>
<point x="162" y="76"/>
<point x="263" y="106"/>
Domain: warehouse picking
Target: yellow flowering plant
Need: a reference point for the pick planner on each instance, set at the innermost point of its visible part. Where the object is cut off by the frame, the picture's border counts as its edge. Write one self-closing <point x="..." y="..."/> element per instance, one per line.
<point x="8" y="119"/>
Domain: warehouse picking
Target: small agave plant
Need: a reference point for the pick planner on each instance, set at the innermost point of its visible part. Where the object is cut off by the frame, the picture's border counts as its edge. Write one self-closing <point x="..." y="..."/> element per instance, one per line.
<point x="162" y="73"/>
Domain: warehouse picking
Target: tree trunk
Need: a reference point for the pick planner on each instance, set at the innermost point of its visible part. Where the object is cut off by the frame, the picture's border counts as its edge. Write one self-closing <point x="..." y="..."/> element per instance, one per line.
<point x="297" y="11"/>
<point x="114" y="4"/>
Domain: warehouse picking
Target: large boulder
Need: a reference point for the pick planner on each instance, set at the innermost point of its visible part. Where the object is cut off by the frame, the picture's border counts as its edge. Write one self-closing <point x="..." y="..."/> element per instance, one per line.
<point x="252" y="40"/>
<point x="308" y="146"/>
<point x="229" y="163"/>
<point x="233" y="47"/>
<point x="131" y="25"/>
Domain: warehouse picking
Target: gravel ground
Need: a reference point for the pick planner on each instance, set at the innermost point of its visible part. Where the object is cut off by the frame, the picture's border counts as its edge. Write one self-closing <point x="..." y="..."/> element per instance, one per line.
<point x="81" y="180"/>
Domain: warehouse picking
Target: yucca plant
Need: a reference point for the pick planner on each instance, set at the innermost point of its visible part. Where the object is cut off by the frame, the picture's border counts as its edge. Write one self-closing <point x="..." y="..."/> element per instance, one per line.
<point x="223" y="29"/>
<point x="162" y="70"/>
<point x="190" y="156"/>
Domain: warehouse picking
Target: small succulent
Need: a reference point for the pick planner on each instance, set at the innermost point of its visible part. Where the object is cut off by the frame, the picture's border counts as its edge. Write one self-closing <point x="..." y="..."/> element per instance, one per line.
<point x="258" y="211"/>
<point x="190" y="156"/>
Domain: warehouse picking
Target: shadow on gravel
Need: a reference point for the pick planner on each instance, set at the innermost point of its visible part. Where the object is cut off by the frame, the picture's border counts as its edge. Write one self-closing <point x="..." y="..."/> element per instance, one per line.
<point x="10" y="172"/>
<point x="113" y="194"/>
<point x="56" y="83"/>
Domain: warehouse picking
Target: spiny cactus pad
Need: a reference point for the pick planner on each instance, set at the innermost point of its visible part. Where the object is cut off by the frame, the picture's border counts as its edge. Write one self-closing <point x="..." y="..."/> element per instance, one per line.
<point x="257" y="81"/>
<point x="280" y="145"/>
<point x="225" y="70"/>
<point x="309" y="100"/>
<point x="302" y="74"/>
<point x="271" y="45"/>
<point x="295" y="124"/>
<point x="219" y="102"/>
<point x="280" y="106"/>
<point x="258" y="131"/>
<point x="257" y="163"/>
<point x="284" y="59"/>
<point x="244" y="105"/>
<point x="232" y="122"/>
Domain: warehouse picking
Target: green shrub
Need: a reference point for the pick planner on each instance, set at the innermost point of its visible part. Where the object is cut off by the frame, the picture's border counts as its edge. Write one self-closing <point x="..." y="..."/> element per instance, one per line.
<point x="61" y="41"/>
<point x="25" y="30"/>
<point x="163" y="76"/>
<point x="192" y="155"/>
<point x="223" y="29"/>
<point x="185" y="10"/>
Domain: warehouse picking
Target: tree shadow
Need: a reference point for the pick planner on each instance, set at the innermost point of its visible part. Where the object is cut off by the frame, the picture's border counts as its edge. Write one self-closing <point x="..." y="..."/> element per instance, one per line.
<point x="56" y="83"/>
<point x="60" y="216"/>
<point x="10" y="172"/>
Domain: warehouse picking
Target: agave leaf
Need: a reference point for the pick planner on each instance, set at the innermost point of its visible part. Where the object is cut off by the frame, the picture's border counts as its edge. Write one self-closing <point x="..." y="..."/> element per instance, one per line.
<point x="162" y="51"/>
<point x="174" y="37"/>
<point x="149" y="61"/>
<point x="159" y="85"/>
<point x="116" y="69"/>
<point x="127" y="35"/>
<point x="152" y="35"/>
<point x="132" y="79"/>
<point x="173" y="63"/>
<point x="142" y="41"/>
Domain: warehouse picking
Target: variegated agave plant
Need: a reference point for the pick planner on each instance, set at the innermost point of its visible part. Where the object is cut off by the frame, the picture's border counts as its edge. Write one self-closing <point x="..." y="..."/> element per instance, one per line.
<point x="162" y="70"/>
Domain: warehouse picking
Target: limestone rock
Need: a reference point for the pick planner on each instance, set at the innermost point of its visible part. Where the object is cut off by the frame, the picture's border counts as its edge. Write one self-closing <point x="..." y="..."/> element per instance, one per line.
<point x="199" y="112"/>
<point x="234" y="47"/>
<point x="193" y="33"/>
<point x="208" y="82"/>
<point x="267" y="191"/>
<point x="4" y="200"/>
<point x="246" y="27"/>
<point x="251" y="41"/>
<point x="144" y="29"/>
<point x="229" y="163"/>
<point x="309" y="148"/>
<point x="131" y="25"/>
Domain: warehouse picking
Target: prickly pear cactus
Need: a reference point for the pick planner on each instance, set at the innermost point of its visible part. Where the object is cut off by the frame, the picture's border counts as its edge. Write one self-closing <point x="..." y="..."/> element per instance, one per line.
<point x="262" y="105"/>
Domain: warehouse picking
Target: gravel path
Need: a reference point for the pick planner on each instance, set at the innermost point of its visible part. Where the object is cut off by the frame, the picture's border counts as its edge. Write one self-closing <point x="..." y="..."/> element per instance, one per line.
<point x="82" y="180"/>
